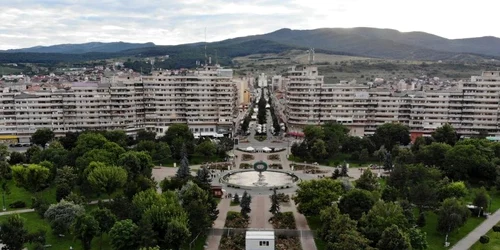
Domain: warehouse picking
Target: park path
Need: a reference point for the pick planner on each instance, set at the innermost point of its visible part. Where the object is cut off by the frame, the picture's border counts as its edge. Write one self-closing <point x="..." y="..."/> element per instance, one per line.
<point x="213" y="240"/>
<point x="471" y="238"/>
<point x="259" y="216"/>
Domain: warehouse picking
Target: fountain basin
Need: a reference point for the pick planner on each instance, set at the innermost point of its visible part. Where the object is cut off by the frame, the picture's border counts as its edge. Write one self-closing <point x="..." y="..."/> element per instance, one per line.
<point x="254" y="179"/>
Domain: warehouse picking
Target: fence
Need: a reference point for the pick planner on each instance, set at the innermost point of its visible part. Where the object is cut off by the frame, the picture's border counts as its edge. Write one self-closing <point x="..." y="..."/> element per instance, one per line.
<point x="277" y="232"/>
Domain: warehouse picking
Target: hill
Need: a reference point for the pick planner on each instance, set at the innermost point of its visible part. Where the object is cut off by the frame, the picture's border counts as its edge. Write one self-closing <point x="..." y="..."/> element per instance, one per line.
<point x="93" y="47"/>
<point x="364" y="42"/>
<point x="385" y="43"/>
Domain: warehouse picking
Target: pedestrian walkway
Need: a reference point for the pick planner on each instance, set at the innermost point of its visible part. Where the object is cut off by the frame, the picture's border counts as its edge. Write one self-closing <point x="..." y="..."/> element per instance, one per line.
<point x="471" y="238"/>
<point x="214" y="240"/>
<point x="259" y="216"/>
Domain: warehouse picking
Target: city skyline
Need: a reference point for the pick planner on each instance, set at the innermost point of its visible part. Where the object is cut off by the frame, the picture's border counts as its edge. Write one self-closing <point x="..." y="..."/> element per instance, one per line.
<point x="48" y="22"/>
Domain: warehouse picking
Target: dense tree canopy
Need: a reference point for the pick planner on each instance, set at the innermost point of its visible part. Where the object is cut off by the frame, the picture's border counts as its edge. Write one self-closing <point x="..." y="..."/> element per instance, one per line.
<point x="42" y="136"/>
<point x="315" y="195"/>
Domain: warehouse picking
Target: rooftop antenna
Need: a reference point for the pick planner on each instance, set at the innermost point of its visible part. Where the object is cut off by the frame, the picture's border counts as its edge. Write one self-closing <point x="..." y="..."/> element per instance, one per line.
<point x="216" y="58"/>
<point x="205" y="46"/>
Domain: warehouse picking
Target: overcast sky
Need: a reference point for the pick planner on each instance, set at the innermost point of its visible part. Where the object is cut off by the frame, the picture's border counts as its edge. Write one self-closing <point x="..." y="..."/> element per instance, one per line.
<point x="26" y="23"/>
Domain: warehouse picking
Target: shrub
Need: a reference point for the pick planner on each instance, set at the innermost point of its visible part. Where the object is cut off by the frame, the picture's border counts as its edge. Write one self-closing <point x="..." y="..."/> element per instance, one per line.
<point x="17" y="204"/>
<point x="496" y="228"/>
<point x="484" y="239"/>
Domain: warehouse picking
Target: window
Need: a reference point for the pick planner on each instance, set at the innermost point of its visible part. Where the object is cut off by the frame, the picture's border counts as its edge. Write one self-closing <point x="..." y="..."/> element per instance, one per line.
<point x="264" y="243"/>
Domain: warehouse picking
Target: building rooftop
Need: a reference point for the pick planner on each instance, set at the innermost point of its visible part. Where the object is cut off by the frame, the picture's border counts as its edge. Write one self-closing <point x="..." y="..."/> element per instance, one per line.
<point x="260" y="235"/>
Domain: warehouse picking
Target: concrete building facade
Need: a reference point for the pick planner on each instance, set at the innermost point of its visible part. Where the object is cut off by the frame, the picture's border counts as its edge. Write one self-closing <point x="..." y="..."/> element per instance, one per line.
<point x="471" y="107"/>
<point x="205" y="99"/>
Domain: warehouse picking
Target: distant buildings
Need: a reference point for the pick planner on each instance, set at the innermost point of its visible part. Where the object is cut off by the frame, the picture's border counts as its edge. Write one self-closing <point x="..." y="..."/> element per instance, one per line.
<point x="205" y="99"/>
<point x="471" y="106"/>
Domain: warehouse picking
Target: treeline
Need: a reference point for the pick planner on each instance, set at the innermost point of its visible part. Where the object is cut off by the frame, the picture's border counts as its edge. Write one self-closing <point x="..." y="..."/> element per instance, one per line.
<point x="109" y="164"/>
<point x="437" y="175"/>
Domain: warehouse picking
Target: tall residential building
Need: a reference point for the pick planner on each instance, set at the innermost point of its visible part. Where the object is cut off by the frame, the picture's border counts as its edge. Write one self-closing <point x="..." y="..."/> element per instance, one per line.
<point x="471" y="108"/>
<point x="205" y="99"/>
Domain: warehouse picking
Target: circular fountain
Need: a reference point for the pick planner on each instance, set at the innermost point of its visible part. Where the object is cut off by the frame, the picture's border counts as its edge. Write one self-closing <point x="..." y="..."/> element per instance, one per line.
<point x="260" y="177"/>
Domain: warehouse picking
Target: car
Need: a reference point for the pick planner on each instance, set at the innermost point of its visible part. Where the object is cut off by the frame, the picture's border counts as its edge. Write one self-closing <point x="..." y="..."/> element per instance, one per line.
<point x="19" y="145"/>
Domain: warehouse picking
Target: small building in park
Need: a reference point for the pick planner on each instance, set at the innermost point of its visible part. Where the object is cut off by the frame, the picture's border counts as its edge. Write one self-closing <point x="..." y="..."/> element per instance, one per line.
<point x="217" y="191"/>
<point x="259" y="240"/>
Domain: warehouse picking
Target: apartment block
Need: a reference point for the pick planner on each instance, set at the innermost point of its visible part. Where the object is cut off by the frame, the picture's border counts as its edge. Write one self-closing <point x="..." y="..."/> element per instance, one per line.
<point x="471" y="107"/>
<point x="205" y="99"/>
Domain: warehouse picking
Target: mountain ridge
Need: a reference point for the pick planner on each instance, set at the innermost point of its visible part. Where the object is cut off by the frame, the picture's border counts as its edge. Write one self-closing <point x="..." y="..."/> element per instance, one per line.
<point x="360" y="41"/>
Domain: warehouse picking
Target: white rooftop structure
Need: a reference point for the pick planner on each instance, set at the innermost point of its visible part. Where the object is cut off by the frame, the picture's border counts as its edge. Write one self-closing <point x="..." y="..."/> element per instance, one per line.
<point x="259" y="240"/>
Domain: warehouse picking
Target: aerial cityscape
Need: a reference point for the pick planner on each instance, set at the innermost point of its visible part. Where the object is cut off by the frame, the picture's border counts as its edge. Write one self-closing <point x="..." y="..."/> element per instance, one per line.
<point x="253" y="125"/>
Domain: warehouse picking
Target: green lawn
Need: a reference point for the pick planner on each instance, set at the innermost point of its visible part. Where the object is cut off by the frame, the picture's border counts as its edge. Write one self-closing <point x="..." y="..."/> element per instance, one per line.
<point x="436" y="240"/>
<point x="33" y="223"/>
<point x="315" y="224"/>
<point x="494" y="243"/>
<point x="20" y="194"/>
<point x="234" y="204"/>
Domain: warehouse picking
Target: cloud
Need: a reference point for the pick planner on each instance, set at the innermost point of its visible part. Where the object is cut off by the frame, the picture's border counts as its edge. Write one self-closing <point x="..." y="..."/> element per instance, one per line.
<point x="26" y="23"/>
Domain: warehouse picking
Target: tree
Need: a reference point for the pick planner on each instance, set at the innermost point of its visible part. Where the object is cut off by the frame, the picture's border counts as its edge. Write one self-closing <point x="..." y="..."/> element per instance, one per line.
<point x="107" y="179"/>
<point x="381" y="216"/>
<point x="394" y="238"/>
<point x="318" y="149"/>
<point x="421" y="221"/>
<point x="465" y="161"/>
<point x="162" y="152"/>
<point x="390" y="193"/>
<point x="481" y="200"/>
<point x="246" y="200"/>
<point x="62" y="190"/>
<point x="390" y="134"/>
<point x="183" y="171"/>
<point x="203" y="175"/>
<point x="350" y="241"/>
<point x="388" y="162"/>
<point x="33" y="177"/>
<point x="4" y="152"/>
<point x="356" y="202"/>
<point x="33" y="154"/>
<point x="418" y="239"/>
<point x="405" y="156"/>
<point x="105" y="219"/>
<point x="195" y="202"/>
<point x="445" y="134"/>
<point x="367" y="181"/>
<point x="136" y="163"/>
<point x="451" y="215"/>
<point x="206" y="149"/>
<point x="62" y="215"/>
<point x="178" y="136"/>
<point x="144" y="135"/>
<point x="448" y="189"/>
<point x="16" y="158"/>
<point x="13" y="234"/>
<point x="433" y="154"/>
<point x="117" y="136"/>
<point x="42" y="136"/>
<point x="69" y="140"/>
<point x="124" y="235"/>
<point x="85" y="229"/>
<point x="314" y="195"/>
<point x="275" y="203"/>
<point x="236" y="198"/>
<point x="364" y="155"/>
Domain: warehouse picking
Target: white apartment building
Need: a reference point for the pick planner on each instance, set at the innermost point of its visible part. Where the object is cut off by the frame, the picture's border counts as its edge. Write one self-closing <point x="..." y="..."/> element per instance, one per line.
<point x="471" y="107"/>
<point x="205" y="99"/>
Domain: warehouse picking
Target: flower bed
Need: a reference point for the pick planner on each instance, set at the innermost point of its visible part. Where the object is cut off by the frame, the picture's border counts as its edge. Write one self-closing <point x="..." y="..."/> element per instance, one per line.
<point x="245" y="166"/>
<point x="275" y="166"/>
<point x="247" y="157"/>
<point x="219" y="166"/>
<point x="236" y="240"/>
<point x="273" y="157"/>
<point x="285" y="221"/>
